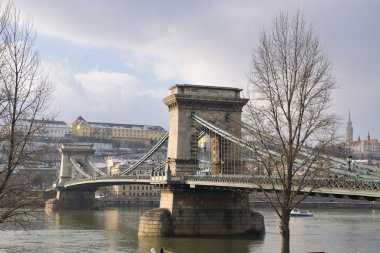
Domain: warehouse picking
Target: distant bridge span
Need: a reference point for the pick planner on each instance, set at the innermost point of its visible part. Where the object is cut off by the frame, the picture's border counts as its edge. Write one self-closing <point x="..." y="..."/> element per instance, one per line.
<point x="354" y="189"/>
<point x="95" y="183"/>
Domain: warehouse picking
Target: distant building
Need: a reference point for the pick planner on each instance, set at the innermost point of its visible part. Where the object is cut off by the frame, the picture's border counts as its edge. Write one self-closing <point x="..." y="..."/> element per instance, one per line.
<point x="366" y="149"/>
<point x="349" y="130"/>
<point x="114" y="167"/>
<point x="53" y="129"/>
<point x="45" y="136"/>
<point x="38" y="177"/>
<point x="361" y="149"/>
<point x="121" y="132"/>
<point x="47" y="128"/>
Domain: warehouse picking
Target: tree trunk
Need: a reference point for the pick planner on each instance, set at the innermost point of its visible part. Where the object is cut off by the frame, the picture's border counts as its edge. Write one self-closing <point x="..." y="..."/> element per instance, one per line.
<point x="285" y="233"/>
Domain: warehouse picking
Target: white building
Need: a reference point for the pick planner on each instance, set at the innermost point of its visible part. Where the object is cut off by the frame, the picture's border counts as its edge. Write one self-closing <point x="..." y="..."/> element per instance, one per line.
<point x="52" y="129"/>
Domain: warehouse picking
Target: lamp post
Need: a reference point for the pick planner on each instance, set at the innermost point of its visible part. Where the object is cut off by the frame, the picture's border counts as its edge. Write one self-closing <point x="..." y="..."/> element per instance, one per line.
<point x="349" y="160"/>
<point x="152" y="169"/>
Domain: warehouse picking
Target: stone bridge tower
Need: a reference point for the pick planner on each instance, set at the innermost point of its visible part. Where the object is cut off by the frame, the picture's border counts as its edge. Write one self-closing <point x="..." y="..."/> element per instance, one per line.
<point x="186" y="210"/>
<point x="81" y="154"/>
<point x="216" y="105"/>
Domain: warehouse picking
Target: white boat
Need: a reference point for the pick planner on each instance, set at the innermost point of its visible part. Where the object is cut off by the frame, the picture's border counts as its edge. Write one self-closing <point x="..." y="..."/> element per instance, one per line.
<point x="300" y="213"/>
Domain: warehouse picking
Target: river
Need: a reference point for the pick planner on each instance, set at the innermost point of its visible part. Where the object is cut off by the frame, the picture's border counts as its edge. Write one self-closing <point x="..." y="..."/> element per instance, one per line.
<point x="115" y="230"/>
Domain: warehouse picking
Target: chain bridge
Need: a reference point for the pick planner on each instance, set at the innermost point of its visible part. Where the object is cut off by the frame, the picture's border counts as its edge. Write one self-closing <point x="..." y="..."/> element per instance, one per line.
<point x="208" y="172"/>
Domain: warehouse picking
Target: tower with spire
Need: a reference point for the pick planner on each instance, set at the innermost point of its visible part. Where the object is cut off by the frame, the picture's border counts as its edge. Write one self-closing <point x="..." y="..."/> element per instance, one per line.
<point x="349" y="129"/>
<point x="367" y="148"/>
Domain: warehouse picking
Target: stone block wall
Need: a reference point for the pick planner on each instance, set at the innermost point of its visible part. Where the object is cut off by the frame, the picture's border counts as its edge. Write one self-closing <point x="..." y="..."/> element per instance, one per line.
<point x="201" y="212"/>
<point x="72" y="200"/>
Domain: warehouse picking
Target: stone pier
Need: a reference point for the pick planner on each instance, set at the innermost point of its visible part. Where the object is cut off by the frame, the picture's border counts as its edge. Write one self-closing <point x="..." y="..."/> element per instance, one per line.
<point x="72" y="200"/>
<point x="197" y="212"/>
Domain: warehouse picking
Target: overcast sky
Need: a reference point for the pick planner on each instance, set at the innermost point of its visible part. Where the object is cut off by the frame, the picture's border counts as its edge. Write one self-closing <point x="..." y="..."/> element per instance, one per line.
<point x="113" y="61"/>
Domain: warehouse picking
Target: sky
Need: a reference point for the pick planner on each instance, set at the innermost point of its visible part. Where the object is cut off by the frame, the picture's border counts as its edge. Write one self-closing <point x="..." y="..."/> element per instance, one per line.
<point x="113" y="61"/>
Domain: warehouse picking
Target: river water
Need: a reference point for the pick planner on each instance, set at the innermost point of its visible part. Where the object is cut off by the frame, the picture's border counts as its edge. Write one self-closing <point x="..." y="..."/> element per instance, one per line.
<point x="115" y="230"/>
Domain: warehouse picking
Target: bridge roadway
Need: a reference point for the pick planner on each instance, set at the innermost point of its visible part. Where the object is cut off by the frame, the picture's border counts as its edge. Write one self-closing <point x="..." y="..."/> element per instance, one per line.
<point x="355" y="189"/>
<point x="367" y="189"/>
<point x="94" y="183"/>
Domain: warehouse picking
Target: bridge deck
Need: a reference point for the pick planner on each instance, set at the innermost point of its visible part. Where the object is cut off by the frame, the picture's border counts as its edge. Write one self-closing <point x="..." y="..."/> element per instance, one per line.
<point x="93" y="183"/>
<point x="368" y="189"/>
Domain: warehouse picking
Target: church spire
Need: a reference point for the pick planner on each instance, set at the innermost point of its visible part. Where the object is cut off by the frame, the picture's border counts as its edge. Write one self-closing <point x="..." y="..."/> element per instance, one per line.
<point x="349" y="116"/>
<point x="349" y="129"/>
<point x="368" y="137"/>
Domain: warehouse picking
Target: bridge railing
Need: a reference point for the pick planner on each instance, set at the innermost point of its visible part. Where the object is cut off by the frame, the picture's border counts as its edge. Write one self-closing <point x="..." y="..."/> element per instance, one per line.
<point x="352" y="184"/>
<point x="160" y="178"/>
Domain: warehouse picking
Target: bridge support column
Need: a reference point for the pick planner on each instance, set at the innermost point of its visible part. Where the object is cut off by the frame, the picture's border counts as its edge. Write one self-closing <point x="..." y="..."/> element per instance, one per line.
<point x="72" y="200"/>
<point x="201" y="212"/>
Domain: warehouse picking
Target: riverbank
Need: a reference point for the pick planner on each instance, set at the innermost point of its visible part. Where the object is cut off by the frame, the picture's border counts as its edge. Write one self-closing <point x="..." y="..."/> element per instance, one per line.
<point x="259" y="200"/>
<point x="311" y="202"/>
<point x="125" y="202"/>
<point x="324" y="205"/>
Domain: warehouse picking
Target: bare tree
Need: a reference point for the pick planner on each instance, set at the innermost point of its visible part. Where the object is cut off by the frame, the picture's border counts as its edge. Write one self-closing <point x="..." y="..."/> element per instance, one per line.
<point x="288" y="115"/>
<point x="24" y="93"/>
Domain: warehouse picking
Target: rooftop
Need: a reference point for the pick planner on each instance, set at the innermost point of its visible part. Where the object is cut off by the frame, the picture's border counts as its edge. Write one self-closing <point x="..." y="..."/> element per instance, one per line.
<point x="80" y="120"/>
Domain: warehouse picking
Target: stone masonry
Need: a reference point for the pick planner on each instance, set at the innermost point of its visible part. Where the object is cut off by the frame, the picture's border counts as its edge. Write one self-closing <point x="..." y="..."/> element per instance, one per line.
<point x="186" y="211"/>
<point x="214" y="104"/>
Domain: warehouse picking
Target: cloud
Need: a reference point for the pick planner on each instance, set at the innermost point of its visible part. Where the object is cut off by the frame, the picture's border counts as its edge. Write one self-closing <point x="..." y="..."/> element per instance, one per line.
<point x="151" y="93"/>
<point x="118" y="97"/>
<point x="202" y="42"/>
<point x="104" y="96"/>
<point x="104" y="88"/>
<point x="188" y="42"/>
<point x="69" y="95"/>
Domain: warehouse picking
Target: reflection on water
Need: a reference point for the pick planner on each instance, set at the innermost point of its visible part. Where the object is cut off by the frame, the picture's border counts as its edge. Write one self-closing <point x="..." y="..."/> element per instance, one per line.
<point x="115" y="230"/>
<point x="190" y="245"/>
